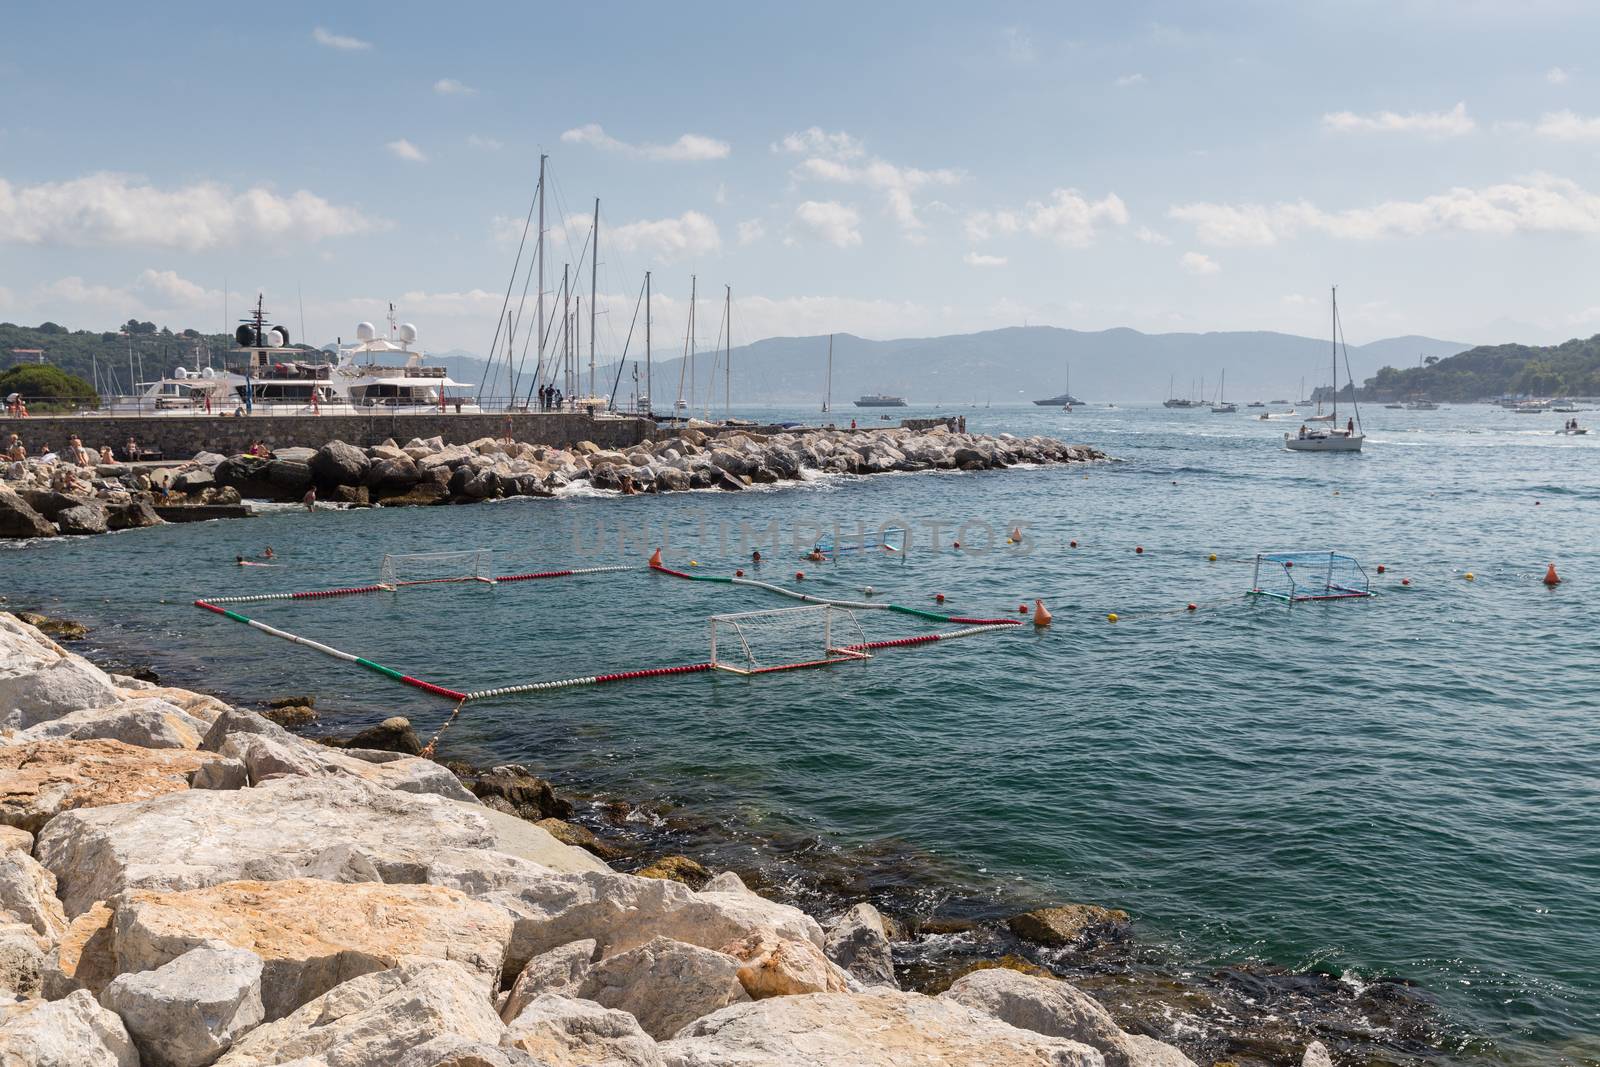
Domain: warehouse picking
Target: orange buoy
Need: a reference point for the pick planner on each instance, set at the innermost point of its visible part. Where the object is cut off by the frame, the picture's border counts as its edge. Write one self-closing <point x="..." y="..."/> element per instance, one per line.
<point x="1041" y="614"/>
<point x="799" y="576"/>
<point x="1193" y="606"/>
<point x="1551" y="578"/>
<point x="1072" y="544"/>
<point x="1405" y="581"/>
<point x="1138" y="550"/>
<point x="1022" y="609"/>
<point x="1380" y="568"/>
<point x="938" y="598"/>
<point x="655" y="558"/>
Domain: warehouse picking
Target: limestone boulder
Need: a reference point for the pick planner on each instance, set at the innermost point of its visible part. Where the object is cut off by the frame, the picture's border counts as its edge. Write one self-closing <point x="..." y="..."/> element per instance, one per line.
<point x="558" y="972"/>
<point x="451" y="1050"/>
<point x="564" y="1032"/>
<point x="665" y="984"/>
<point x="18" y="518"/>
<point x="22" y="961"/>
<point x="188" y="1012"/>
<point x="41" y="779"/>
<point x="1078" y="925"/>
<point x="28" y="895"/>
<point x="884" y="1029"/>
<point x="1057" y="1009"/>
<point x="375" y="1019"/>
<point x="196" y="838"/>
<point x="146" y="722"/>
<point x="13" y="838"/>
<point x="618" y="911"/>
<point x="517" y="837"/>
<point x="337" y="463"/>
<point x="86" y="518"/>
<point x="775" y="967"/>
<point x="135" y="514"/>
<point x="859" y="943"/>
<point x="267" y="750"/>
<point x="522" y="789"/>
<point x="1316" y="1056"/>
<point x="289" y="476"/>
<point x="72" y="1032"/>
<point x="312" y="935"/>
<point x="39" y="680"/>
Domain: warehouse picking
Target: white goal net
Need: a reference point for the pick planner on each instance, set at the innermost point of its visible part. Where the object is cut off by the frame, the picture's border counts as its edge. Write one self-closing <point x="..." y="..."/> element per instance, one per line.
<point x="756" y="642"/>
<point x="429" y="568"/>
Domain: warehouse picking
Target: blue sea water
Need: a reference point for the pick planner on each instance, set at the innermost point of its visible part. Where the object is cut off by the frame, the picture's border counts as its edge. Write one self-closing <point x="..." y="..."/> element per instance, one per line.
<point x="1407" y="786"/>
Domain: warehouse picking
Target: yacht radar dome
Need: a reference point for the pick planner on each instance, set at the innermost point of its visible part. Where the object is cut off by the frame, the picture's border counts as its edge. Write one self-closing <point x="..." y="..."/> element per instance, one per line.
<point x="408" y="333"/>
<point x="365" y="331"/>
<point x="180" y="372"/>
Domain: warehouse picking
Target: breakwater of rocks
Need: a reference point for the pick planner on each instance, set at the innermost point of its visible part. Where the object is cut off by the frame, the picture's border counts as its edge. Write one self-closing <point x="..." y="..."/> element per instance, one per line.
<point x="43" y="499"/>
<point x="184" y="883"/>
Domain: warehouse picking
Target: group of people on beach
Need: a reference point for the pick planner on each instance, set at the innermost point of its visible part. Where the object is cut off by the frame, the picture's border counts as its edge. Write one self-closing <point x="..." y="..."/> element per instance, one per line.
<point x="75" y="454"/>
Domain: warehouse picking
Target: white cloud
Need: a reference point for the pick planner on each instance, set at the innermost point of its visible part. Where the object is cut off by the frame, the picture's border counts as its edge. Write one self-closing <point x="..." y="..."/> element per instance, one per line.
<point x="118" y="209"/>
<point x="1198" y="263"/>
<point x="329" y="39"/>
<point x="181" y="291"/>
<point x="488" y="144"/>
<point x="1557" y="75"/>
<point x="1568" y="126"/>
<point x="690" y="234"/>
<point x="1453" y="123"/>
<point x="817" y="141"/>
<point x="1067" y="218"/>
<point x="1151" y="237"/>
<point x="980" y="259"/>
<point x="690" y="147"/>
<point x="1539" y="203"/>
<point x="831" y="221"/>
<point x="1017" y="44"/>
<point x="451" y="87"/>
<point x="832" y="162"/>
<point x="1130" y="79"/>
<point x="404" y="149"/>
<point x="751" y="231"/>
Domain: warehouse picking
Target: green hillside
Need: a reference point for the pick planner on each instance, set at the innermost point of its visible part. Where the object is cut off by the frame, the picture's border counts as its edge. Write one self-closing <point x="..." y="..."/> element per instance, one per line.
<point x="1568" y="369"/>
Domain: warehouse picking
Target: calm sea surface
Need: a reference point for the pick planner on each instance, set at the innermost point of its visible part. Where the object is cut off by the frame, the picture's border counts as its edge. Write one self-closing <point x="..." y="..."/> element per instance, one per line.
<point x="1407" y="786"/>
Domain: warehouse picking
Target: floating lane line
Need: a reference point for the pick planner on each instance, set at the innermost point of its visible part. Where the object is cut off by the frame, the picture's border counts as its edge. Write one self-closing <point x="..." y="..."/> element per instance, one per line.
<point x="329" y="650"/>
<point x="593" y="679"/>
<point x="854" y="605"/>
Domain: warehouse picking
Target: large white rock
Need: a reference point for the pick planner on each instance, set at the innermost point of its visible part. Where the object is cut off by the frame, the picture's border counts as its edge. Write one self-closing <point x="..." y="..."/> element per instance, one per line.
<point x="879" y="1029"/>
<point x="451" y="1050"/>
<point x="518" y="837"/>
<point x="561" y="971"/>
<point x="188" y="1012"/>
<point x="1058" y="1009"/>
<point x="72" y="1032"/>
<point x="201" y="837"/>
<point x="312" y="935"/>
<point x="619" y="911"/>
<point x="778" y="967"/>
<point x="564" y="1032"/>
<point x="267" y="755"/>
<point x="22" y="961"/>
<point x="40" y="779"/>
<point x="665" y="984"/>
<point x="1316" y="1056"/>
<point x="40" y="681"/>
<point x="148" y="723"/>
<point x="14" y="837"/>
<point x="859" y="943"/>
<point x="28" y="894"/>
<point x="372" y="1020"/>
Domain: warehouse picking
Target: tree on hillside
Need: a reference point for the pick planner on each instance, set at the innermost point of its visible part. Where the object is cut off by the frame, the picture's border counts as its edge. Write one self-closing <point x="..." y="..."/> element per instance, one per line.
<point x="51" y="327"/>
<point x="48" y="388"/>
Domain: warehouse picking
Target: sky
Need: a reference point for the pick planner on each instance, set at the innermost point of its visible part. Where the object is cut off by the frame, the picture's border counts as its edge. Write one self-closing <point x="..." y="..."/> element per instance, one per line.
<point x="885" y="169"/>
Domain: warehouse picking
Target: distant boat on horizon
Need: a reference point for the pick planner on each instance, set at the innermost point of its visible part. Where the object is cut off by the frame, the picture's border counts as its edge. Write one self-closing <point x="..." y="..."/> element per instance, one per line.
<point x="881" y="400"/>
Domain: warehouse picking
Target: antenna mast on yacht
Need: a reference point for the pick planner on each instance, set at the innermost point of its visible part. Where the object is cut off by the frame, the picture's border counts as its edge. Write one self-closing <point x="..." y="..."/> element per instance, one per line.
<point x="727" y="352"/>
<point x="827" y="389"/>
<point x="538" y="373"/>
<point x="648" y="396"/>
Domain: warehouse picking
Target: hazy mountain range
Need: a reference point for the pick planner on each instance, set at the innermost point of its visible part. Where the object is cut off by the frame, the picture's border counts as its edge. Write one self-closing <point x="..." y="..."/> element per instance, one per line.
<point x="1000" y="366"/>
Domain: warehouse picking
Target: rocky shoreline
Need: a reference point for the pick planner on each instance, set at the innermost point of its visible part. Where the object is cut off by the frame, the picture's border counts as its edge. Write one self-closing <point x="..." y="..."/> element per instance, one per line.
<point x="184" y="882"/>
<point x="43" y="499"/>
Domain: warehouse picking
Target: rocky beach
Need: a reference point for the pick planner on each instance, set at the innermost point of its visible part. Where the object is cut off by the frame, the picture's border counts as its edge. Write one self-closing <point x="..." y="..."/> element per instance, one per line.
<point x="45" y="498"/>
<point x="184" y="883"/>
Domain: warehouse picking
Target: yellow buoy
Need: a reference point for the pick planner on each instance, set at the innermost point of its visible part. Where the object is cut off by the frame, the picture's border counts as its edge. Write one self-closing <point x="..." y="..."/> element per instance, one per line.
<point x="1112" y="617"/>
<point x="1212" y="557"/>
<point x="1469" y="576"/>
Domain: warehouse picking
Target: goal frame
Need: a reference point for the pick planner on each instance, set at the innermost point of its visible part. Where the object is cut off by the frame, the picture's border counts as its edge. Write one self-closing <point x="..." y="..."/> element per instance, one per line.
<point x="831" y="653"/>
<point x="482" y="567"/>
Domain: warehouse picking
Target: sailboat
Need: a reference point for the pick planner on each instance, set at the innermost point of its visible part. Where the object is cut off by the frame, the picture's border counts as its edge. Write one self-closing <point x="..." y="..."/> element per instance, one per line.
<point x="1332" y="439"/>
<point x="827" y="389"/>
<point x="1222" y="407"/>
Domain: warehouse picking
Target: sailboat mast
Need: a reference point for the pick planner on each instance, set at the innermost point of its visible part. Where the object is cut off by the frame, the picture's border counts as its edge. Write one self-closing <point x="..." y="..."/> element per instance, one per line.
<point x="566" y="331"/>
<point x="649" y="396"/>
<point x="693" y="300"/>
<point x="594" y="270"/>
<point x="727" y="352"/>
<point x="539" y="253"/>
<point x="827" y="389"/>
<point x="1335" y="346"/>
